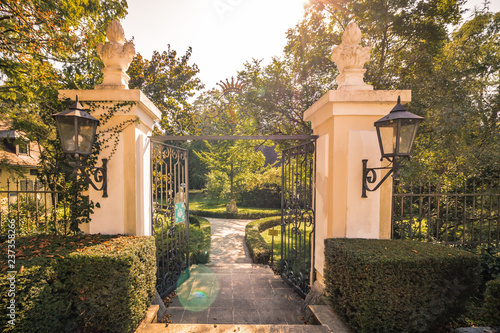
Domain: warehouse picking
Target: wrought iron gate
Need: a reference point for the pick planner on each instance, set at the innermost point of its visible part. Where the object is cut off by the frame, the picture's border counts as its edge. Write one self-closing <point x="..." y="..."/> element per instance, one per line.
<point x="298" y="216"/>
<point x="170" y="210"/>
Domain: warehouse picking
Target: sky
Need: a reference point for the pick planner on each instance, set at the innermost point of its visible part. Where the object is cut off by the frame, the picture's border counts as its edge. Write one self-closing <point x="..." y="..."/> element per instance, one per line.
<point x="224" y="34"/>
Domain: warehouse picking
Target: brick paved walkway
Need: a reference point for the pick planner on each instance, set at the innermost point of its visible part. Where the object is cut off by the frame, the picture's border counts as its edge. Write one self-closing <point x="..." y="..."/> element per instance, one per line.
<point x="232" y="290"/>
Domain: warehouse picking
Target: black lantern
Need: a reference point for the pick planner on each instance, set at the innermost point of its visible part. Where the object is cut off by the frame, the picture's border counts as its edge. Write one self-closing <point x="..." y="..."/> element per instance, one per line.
<point x="77" y="131"/>
<point x="396" y="133"/>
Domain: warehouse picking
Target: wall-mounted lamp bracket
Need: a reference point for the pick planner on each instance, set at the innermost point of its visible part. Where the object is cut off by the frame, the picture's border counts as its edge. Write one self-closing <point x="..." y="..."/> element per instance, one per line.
<point x="370" y="176"/>
<point x="99" y="174"/>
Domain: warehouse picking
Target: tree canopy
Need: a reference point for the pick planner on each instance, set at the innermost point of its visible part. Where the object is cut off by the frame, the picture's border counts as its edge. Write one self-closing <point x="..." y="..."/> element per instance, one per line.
<point x="448" y="58"/>
<point x="169" y="81"/>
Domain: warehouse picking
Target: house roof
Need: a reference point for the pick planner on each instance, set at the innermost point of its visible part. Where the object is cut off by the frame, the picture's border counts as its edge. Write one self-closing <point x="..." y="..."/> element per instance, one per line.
<point x="9" y="156"/>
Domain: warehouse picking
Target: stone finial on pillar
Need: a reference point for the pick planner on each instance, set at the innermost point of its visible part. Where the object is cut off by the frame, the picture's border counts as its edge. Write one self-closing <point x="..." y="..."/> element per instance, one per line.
<point x="350" y="58"/>
<point x="116" y="55"/>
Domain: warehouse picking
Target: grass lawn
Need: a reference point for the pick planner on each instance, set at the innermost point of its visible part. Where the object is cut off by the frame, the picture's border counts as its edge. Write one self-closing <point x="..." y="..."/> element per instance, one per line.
<point x="199" y="204"/>
<point x="277" y="241"/>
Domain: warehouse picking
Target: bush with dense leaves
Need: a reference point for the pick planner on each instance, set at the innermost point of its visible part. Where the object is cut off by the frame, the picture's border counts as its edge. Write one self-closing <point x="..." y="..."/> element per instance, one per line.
<point x="262" y="197"/>
<point x="239" y="215"/>
<point x="262" y="190"/>
<point x="84" y="283"/>
<point x="199" y="240"/>
<point x="257" y="246"/>
<point x="491" y="306"/>
<point x="398" y="286"/>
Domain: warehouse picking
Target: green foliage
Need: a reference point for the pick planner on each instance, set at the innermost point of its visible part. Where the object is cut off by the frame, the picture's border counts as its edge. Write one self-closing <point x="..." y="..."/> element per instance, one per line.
<point x="415" y="46"/>
<point x="489" y="256"/>
<point x="245" y="214"/>
<point x="199" y="240"/>
<point x="262" y="189"/>
<point x="47" y="46"/>
<point x="491" y="306"/>
<point x="201" y="206"/>
<point x="198" y="205"/>
<point x="197" y="169"/>
<point x="234" y="159"/>
<point x="398" y="286"/>
<point x="168" y="81"/>
<point x="90" y="283"/>
<point x="490" y="261"/>
<point x="259" y="250"/>
<point x="460" y="100"/>
<point x="218" y="185"/>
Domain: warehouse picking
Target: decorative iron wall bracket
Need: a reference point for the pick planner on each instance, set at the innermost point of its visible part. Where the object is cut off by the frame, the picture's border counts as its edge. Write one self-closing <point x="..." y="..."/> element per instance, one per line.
<point x="100" y="175"/>
<point x="370" y="176"/>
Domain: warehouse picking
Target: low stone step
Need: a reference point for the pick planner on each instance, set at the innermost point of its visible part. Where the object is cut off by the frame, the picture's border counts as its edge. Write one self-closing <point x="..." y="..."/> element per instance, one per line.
<point x="199" y="328"/>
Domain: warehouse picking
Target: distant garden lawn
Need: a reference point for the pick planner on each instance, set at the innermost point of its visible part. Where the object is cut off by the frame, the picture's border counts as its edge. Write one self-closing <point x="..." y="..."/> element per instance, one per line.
<point x="202" y="206"/>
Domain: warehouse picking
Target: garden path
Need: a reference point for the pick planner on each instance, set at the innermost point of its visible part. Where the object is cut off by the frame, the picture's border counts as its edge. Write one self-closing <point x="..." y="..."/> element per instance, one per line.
<point x="233" y="290"/>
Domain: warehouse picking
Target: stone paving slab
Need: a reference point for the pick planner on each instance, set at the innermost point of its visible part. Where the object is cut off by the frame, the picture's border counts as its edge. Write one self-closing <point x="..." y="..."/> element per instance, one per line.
<point x="233" y="290"/>
<point x="186" y="328"/>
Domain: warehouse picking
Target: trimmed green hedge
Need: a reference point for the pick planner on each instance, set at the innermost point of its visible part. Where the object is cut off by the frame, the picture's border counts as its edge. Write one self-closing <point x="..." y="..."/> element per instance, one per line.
<point x="257" y="246"/>
<point x="239" y="215"/>
<point x="86" y="283"/>
<point x="398" y="286"/>
<point x="263" y="197"/>
<point x="491" y="306"/>
<point x="199" y="240"/>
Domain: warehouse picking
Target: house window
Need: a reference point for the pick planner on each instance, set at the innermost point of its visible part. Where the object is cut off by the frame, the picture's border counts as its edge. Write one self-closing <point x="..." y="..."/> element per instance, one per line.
<point x="33" y="172"/>
<point x="26" y="185"/>
<point x="23" y="148"/>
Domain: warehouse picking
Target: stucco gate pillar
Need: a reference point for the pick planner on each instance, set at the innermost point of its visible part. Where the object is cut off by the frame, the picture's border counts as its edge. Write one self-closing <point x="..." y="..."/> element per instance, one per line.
<point x="127" y="210"/>
<point x="344" y="121"/>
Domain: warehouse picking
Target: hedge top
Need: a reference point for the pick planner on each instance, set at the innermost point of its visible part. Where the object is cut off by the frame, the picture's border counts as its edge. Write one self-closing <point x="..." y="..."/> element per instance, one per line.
<point x="393" y="250"/>
<point x="35" y="250"/>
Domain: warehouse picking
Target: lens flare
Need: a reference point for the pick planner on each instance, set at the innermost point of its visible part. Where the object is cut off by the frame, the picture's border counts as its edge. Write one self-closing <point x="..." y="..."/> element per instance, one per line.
<point x="197" y="289"/>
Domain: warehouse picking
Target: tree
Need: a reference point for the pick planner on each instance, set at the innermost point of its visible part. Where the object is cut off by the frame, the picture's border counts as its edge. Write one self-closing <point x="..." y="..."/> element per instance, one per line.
<point x="45" y="46"/>
<point x="232" y="161"/>
<point x="415" y="45"/>
<point x="169" y="81"/>
<point x="461" y="135"/>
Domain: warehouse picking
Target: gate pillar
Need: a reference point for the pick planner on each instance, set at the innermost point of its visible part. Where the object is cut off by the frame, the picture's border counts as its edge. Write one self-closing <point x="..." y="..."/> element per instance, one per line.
<point x="127" y="209"/>
<point x="344" y="121"/>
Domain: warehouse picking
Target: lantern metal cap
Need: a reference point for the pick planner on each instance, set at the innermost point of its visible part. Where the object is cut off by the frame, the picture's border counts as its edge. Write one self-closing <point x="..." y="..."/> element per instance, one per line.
<point x="75" y="110"/>
<point x="398" y="112"/>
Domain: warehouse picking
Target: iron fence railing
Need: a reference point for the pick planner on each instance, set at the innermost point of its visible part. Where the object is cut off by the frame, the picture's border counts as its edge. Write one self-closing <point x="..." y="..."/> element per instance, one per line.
<point x="464" y="214"/>
<point x="34" y="206"/>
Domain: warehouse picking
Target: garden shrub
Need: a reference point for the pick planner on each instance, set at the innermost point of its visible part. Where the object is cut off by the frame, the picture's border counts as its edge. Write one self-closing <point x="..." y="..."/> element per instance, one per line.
<point x="84" y="283"/>
<point x="257" y="246"/>
<point x="199" y="240"/>
<point x="491" y="306"/>
<point x="263" y="197"/>
<point x="489" y="255"/>
<point x="398" y="286"/>
<point x="490" y="261"/>
<point x="217" y="184"/>
<point x="240" y="215"/>
<point x="261" y="190"/>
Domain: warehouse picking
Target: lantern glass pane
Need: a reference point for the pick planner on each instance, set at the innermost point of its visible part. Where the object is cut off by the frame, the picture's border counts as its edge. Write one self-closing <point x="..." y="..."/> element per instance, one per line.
<point x="407" y="135"/>
<point x="387" y="138"/>
<point x="67" y="133"/>
<point x="86" y="135"/>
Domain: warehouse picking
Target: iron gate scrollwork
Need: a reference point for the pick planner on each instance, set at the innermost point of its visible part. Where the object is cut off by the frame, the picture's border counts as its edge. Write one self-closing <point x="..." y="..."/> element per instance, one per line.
<point x="170" y="214"/>
<point x="298" y="216"/>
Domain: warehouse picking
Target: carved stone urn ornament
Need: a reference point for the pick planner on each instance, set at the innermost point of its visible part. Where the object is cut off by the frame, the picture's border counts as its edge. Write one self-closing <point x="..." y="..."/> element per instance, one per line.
<point x="350" y="58"/>
<point x="116" y="54"/>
